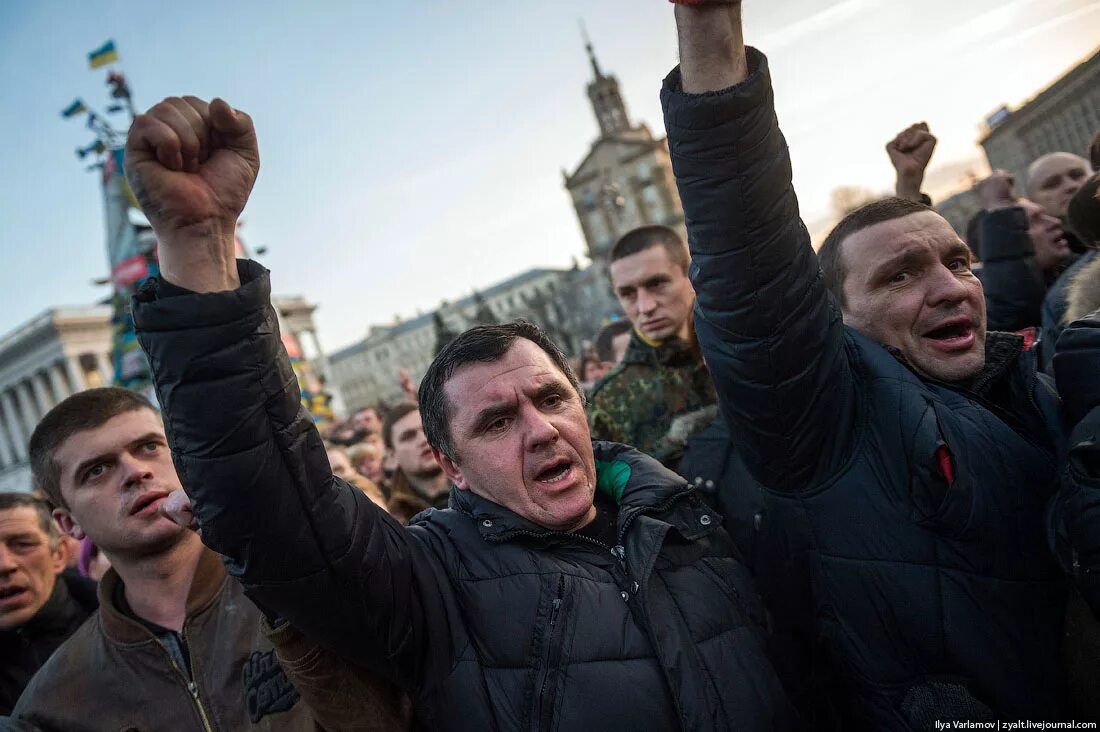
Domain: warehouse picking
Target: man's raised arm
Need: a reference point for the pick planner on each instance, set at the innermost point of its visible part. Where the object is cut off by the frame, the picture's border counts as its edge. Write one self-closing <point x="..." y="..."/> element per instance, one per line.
<point x="304" y="544"/>
<point x="772" y="338"/>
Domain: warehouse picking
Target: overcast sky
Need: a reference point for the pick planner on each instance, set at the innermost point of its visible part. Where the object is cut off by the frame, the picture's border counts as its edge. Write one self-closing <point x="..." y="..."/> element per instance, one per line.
<point x="413" y="151"/>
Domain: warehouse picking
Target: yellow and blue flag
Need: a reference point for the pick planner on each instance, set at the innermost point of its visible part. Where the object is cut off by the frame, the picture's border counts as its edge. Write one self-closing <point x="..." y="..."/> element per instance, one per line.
<point x="74" y="109"/>
<point x="103" y="55"/>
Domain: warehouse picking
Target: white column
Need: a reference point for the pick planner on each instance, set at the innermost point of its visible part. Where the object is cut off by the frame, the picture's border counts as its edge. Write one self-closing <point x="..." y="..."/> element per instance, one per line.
<point x="26" y="407"/>
<point x="5" y="447"/>
<point x="57" y="381"/>
<point x="41" y="393"/>
<point x="106" y="369"/>
<point x="76" y="376"/>
<point x="19" y="438"/>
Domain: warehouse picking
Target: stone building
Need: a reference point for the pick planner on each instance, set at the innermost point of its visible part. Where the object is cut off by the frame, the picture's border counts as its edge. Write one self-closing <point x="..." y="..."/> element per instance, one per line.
<point x="625" y="181"/>
<point x="569" y="304"/>
<point x="68" y="349"/>
<point x="1064" y="117"/>
<point x="58" y="353"/>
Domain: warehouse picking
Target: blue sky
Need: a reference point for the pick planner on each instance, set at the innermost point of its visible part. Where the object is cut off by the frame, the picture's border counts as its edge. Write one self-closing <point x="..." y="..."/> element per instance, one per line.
<point x="413" y="151"/>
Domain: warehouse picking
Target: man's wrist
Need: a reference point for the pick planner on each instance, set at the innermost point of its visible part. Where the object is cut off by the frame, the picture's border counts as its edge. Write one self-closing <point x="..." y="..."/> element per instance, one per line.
<point x="712" y="46"/>
<point x="909" y="188"/>
<point x="200" y="258"/>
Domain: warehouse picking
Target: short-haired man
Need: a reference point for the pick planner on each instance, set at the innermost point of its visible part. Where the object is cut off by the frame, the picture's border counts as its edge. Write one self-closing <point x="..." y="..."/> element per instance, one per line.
<point x="529" y="603"/>
<point x="175" y="644"/>
<point x="368" y="420"/>
<point x="612" y="341"/>
<point x="40" y="606"/>
<point x="903" y="455"/>
<point x="418" y="481"/>
<point x="1053" y="179"/>
<point x="661" y="377"/>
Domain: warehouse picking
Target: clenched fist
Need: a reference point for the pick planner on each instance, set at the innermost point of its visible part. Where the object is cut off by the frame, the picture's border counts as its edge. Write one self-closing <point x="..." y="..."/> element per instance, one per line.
<point x="192" y="166"/>
<point x="910" y="153"/>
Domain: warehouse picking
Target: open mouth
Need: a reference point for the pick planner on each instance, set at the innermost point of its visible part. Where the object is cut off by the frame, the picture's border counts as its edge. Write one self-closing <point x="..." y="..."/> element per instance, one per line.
<point x="10" y="593"/>
<point x="145" y="501"/>
<point x="555" y="471"/>
<point x="954" y="335"/>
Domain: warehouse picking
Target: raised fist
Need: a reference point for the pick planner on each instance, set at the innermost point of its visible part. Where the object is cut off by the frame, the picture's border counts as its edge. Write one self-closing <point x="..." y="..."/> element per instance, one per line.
<point x="995" y="192"/>
<point x="911" y="150"/>
<point x="192" y="166"/>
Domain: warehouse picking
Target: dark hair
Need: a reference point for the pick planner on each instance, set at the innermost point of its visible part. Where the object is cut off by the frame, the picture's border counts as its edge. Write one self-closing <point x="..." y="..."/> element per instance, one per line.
<point x="480" y="344"/>
<point x="82" y="411"/>
<point x="1094" y="152"/>
<point x="395" y="413"/>
<point x="41" y="509"/>
<point x="646" y="237"/>
<point x="605" y="350"/>
<point x="830" y="255"/>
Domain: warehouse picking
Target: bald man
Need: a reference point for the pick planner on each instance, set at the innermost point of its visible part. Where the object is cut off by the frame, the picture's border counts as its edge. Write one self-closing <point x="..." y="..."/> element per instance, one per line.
<point x="1053" y="179"/>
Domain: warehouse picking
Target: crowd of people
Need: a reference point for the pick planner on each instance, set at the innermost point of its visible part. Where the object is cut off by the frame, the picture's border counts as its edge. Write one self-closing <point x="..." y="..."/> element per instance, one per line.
<point x="857" y="488"/>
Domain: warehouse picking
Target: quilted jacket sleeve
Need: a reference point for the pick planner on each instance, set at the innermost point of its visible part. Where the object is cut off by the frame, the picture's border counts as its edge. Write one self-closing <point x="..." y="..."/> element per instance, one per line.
<point x="1077" y="509"/>
<point x="305" y="545"/>
<point x="771" y="335"/>
<point x="1014" y="285"/>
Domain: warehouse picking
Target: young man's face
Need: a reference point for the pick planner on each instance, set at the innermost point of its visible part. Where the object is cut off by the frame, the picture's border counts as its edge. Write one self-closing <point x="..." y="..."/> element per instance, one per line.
<point x="115" y="478"/>
<point x="521" y="438"/>
<point x="654" y="293"/>
<point x="368" y="421"/>
<point x="410" y="448"/>
<point x="909" y="285"/>
<point x="28" y="566"/>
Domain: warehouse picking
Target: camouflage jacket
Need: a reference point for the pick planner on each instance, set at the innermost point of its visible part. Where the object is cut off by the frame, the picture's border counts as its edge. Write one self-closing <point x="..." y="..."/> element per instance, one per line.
<point x="654" y="399"/>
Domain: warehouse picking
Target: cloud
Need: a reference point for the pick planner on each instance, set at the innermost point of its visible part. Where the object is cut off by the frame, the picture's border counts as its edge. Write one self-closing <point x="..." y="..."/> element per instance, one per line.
<point x="814" y="25"/>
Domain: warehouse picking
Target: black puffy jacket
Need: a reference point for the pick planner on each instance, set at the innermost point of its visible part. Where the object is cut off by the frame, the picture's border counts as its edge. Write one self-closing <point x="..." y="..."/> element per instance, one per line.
<point x="489" y="621"/>
<point x="901" y="532"/>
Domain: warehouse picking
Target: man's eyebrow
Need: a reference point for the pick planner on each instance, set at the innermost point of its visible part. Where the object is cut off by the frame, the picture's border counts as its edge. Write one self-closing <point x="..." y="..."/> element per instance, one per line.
<point x="147" y="437"/>
<point x="492" y="413"/>
<point x="81" y="467"/>
<point x="548" y="389"/>
<point x="905" y="259"/>
<point x="20" y="537"/>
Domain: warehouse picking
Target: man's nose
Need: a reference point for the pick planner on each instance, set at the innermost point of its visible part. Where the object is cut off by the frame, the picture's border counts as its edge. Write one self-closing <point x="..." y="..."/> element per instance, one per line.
<point x="646" y="302"/>
<point x="946" y="287"/>
<point x="540" y="431"/>
<point x="7" y="560"/>
<point x="133" y="470"/>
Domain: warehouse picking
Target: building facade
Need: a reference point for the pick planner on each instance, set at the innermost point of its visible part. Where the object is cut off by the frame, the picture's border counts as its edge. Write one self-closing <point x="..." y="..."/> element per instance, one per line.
<point x="1064" y="117"/>
<point x="58" y="353"/>
<point x="625" y="181"/>
<point x="570" y="305"/>
<point x="68" y="349"/>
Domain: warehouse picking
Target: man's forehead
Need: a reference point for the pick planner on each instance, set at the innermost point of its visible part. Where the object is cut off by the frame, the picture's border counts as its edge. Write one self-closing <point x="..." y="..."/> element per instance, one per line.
<point x="524" y="367"/>
<point x="1055" y="165"/>
<point x="19" y="520"/>
<point x="867" y="248"/>
<point x="634" y="268"/>
<point x="118" y="431"/>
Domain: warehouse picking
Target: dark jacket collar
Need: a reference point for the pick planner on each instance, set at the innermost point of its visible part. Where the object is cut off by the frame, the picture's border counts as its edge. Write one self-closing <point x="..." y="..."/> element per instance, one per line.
<point x="1001" y="351"/>
<point x="210" y="576"/>
<point x="65" y="609"/>
<point x="634" y="480"/>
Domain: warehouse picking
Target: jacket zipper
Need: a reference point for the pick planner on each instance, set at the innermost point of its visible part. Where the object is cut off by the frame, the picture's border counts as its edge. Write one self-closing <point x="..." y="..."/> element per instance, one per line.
<point x="552" y="658"/>
<point x="192" y="687"/>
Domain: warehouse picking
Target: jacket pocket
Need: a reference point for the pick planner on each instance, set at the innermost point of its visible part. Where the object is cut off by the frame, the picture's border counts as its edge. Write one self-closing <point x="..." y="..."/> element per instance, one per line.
<point x="941" y="484"/>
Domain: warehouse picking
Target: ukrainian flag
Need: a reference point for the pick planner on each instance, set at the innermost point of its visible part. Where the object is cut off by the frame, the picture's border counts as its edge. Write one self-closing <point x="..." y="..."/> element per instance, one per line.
<point x="74" y="109"/>
<point x="103" y="55"/>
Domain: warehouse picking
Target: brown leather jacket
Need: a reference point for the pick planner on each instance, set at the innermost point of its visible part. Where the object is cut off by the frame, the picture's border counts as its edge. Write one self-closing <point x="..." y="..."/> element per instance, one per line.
<point x="114" y="674"/>
<point x="343" y="697"/>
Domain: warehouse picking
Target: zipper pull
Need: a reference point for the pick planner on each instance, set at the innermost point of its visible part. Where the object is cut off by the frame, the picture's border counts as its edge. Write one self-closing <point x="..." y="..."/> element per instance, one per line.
<point x="193" y="688"/>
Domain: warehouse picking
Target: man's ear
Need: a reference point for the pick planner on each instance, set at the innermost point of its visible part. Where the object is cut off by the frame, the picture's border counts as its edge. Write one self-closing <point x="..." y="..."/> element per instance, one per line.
<point x="68" y="524"/>
<point x="451" y="469"/>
